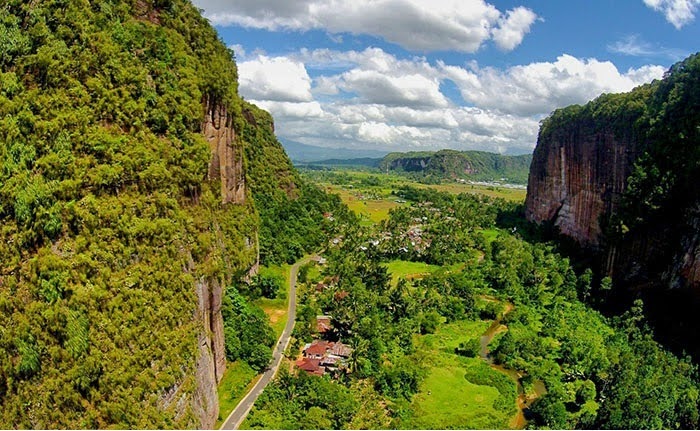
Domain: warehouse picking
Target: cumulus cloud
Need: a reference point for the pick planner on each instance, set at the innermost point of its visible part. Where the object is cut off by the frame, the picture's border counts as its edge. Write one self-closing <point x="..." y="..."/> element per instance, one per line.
<point x="460" y="25"/>
<point x="278" y="78"/>
<point x="677" y="12"/>
<point x="538" y="88"/>
<point x="366" y="98"/>
<point x="513" y="27"/>
<point x="407" y="90"/>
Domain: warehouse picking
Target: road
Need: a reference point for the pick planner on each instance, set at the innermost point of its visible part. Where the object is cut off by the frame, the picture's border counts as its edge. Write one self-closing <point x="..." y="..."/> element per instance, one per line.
<point x="234" y="420"/>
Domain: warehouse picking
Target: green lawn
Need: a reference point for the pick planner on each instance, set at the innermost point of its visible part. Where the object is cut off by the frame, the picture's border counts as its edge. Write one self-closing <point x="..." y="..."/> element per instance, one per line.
<point x="405" y="269"/>
<point x="446" y="399"/>
<point x="238" y="378"/>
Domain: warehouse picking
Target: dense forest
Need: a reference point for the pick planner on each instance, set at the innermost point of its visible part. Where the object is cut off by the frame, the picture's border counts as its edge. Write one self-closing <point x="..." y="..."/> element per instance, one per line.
<point x="452" y="164"/>
<point x="109" y="220"/>
<point x="598" y="372"/>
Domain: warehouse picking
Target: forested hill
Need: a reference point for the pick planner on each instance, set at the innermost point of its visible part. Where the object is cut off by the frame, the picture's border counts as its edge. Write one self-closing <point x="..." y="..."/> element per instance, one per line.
<point x="620" y="176"/>
<point x="478" y="165"/>
<point x="130" y="169"/>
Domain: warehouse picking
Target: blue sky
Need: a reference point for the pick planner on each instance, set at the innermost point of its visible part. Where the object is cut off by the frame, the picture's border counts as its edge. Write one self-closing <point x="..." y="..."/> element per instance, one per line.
<point x="428" y="74"/>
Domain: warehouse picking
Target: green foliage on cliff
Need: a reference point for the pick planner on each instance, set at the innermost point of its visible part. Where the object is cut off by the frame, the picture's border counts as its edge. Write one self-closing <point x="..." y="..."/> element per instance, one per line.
<point x="663" y="184"/>
<point x="106" y="222"/>
<point x="451" y="164"/>
<point x="292" y="221"/>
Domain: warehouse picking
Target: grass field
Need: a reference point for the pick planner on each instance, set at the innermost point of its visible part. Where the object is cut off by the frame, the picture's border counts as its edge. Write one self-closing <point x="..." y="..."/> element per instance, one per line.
<point x="409" y="270"/>
<point x="237" y="380"/>
<point x="276" y="309"/>
<point x="370" y="210"/>
<point x="373" y="202"/>
<point x="446" y="399"/>
<point x="515" y="195"/>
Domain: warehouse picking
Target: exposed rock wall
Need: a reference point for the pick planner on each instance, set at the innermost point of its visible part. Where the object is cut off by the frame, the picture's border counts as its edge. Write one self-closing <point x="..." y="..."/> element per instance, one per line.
<point x="211" y="361"/>
<point x="577" y="180"/>
<point x="226" y="156"/>
<point x="226" y="165"/>
<point x="579" y="173"/>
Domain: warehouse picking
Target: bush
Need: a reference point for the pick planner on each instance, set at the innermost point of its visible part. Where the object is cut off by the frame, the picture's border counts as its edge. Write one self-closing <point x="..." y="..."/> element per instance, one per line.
<point x="469" y="348"/>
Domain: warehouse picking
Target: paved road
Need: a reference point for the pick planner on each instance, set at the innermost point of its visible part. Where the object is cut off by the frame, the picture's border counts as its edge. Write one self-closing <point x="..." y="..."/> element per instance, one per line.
<point x="238" y="414"/>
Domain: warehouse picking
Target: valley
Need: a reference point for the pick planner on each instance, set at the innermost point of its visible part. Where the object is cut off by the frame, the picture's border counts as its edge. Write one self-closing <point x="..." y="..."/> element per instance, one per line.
<point x="165" y="263"/>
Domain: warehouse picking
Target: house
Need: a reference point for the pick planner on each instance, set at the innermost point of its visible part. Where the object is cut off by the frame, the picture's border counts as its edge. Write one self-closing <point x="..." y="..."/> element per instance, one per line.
<point x="311" y="366"/>
<point x="322" y="356"/>
<point x="323" y="324"/>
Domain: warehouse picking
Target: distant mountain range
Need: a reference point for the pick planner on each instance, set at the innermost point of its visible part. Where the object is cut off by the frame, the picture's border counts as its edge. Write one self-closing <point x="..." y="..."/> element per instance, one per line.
<point x="302" y="153"/>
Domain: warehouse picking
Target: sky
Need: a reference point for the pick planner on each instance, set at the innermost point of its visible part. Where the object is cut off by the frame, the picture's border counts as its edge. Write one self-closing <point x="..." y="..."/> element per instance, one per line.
<point x="412" y="75"/>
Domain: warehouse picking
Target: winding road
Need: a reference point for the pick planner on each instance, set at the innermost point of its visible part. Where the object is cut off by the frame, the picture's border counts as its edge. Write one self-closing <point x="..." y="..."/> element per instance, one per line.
<point x="234" y="420"/>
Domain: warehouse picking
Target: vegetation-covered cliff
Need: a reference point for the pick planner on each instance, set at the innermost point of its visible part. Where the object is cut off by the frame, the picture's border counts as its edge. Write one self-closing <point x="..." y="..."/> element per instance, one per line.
<point x="129" y="166"/>
<point x="620" y="175"/>
<point x="452" y="164"/>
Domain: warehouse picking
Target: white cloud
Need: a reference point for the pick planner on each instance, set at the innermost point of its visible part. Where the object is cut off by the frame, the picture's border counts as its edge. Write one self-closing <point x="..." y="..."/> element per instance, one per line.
<point x="677" y="12"/>
<point x="513" y="27"/>
<point x="370" y="97"/>
<point x="291" y="109"/>
<point x="538" y="88"/>
<point x="633" y="45"/>
<point x="460" y="25"/>
<point x="277" y="78"/>
<point x="407" y="90"/>
<point x="238" y="51"/>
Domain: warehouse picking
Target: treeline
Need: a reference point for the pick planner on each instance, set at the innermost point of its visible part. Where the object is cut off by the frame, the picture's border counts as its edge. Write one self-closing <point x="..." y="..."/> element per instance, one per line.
<point x="598" y="372"/>
<point x="451" y="164"/>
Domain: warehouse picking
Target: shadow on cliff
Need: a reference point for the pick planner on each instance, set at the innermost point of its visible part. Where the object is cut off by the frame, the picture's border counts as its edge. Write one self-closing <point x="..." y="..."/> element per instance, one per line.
<point x="671" y="313"/>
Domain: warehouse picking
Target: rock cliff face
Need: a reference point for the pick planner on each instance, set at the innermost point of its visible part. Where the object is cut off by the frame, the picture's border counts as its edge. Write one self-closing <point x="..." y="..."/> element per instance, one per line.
<point x="577" y="180"/>
<point x="226" y="157"/>
<point x="619" y="176"/>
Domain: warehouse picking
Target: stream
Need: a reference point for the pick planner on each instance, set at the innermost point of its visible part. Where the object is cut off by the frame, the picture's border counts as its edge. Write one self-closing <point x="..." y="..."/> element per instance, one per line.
<point x="523" y="401"/>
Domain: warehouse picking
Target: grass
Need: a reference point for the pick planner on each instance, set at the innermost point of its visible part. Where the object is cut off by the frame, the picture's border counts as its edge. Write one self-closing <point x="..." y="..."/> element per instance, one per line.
<point x="372" y="203"/>
<point x="409" y="270"/>
<point x="509" y="194"/>
<point x="371" y="211"/>
<point x="446" y="399"/>
<point x="238" y="379"/>
<point x="277" y="308"/>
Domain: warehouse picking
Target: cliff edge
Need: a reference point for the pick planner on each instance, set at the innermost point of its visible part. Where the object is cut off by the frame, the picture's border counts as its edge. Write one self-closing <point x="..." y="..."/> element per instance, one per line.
<point x="618" y="175"/>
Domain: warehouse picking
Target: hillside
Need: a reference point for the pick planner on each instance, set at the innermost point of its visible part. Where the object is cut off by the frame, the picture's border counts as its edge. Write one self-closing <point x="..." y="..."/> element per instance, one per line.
<point x="130" y="168"/>
<point x="619" y="176"/>
<point x="452" y="164"/>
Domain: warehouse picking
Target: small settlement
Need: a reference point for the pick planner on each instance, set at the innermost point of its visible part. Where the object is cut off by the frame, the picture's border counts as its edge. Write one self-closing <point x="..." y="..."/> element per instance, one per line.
<point x="321" y="357"/>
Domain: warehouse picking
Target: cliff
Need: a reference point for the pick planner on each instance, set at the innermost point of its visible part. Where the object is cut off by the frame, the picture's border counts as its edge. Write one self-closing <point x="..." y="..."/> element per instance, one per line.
<point x="453" y="164"/>
<point x="226" y="163"/>
<point x="125" y="211"/>
<point x="618" y="176"/>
